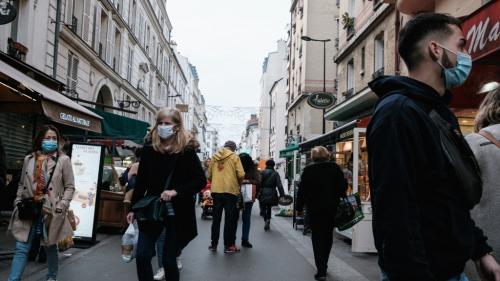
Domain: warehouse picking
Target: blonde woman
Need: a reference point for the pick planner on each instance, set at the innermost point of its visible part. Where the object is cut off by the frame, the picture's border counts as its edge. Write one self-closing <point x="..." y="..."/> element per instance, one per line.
<point x="169" y="152"/>
<point x="485" y="144"/>
<point x="45" y="191"/>
<point x="322" y="183"/>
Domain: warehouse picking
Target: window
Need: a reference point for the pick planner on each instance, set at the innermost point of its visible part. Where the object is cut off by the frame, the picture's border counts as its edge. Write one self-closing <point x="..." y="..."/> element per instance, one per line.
<point x="76" y="12"/>
<point x="97" y="29"/>
<point x="352" y="6"/>
<point x="130" y="63"/>
<point x="72" y="73"/>
<point x="350" y="75"/>
<point x="117" y="50"/>
<point x="362" y="60"/>
<point x="379" y="52"/>
<point x="132" y="14"/>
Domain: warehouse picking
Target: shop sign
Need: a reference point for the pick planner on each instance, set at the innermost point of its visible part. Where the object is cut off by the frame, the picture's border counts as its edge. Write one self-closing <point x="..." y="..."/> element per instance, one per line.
<point x="321" y="100"/>
<point x="482" y="31"/>
<point x="7" y="12"/>
<point x="182" y="107"/>
<point x="346" y="135"/>
<point x="74" y="119"/>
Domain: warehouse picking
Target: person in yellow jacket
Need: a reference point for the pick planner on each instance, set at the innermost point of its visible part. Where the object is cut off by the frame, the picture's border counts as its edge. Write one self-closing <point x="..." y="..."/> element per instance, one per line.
<point x="226" y="174"/>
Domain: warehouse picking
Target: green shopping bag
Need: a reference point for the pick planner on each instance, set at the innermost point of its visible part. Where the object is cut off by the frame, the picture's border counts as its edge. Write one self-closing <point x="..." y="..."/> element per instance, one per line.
<point x="349" y="212"/>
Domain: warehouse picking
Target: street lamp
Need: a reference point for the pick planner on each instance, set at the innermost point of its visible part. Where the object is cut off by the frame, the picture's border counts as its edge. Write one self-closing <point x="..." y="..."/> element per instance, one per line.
<point x="307" y="38"/>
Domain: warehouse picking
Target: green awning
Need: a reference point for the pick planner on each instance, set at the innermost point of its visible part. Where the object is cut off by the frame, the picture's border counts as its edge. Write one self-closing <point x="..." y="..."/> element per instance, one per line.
<point x="288" y="151"/>
<point x="114" y="127"/>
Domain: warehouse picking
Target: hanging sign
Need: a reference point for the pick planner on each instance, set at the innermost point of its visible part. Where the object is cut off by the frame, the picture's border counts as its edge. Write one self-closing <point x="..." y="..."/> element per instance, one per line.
<point x="7" y="12"/>
<point x="321" y="100"/>
<point x="482" y="30"/>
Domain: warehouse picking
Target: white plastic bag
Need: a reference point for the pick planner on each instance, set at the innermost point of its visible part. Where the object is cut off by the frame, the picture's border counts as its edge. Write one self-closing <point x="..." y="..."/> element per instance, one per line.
<point x="129" y="242"/>
<point x="248" y="192"/>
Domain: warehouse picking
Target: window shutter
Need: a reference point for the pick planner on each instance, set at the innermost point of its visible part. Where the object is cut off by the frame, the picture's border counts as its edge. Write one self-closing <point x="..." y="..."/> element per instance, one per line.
<point x="110" y="43"/>
<point x="74" y="73"/>
<point x="86" y="21"/>
<point x="97" y="28"/>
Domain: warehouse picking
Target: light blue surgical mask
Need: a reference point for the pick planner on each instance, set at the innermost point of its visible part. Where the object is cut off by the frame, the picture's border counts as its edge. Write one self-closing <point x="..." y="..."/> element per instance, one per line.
<point x="456" y="76"/>
<point x="49" y="145"/>
<point x="165" y="131"/>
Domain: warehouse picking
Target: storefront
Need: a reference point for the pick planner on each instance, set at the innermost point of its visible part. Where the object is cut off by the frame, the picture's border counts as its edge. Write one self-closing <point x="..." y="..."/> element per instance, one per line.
<point x="348" y="147"/>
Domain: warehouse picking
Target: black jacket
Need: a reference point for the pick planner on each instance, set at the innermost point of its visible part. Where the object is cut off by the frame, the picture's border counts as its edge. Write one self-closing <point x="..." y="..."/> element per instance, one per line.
<point x="272" y="180"/>
<point x="188" y="179"/>
<point x="3" y="166"/>
<point x="421" y="223"/>
<point x="320" y="188"/>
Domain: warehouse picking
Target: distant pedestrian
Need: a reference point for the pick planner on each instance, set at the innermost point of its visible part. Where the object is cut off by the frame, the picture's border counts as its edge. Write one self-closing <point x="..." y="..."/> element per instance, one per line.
<point x="252" y="177"/>
<point x="45" y="191"/>
<point x="225" y="174"/>
<point x="423" y="176"/>
<point x="268" y="191"/>
<point x="485" y="144"/>
<point x="170" y="152"/>
<point x="322" y="183"/>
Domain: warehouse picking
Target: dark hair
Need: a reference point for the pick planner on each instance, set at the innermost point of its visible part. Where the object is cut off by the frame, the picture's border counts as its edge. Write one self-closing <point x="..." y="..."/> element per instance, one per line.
<point x="417" y="29"/>
<point x="247" y="162"/>
<point x="270" y="163"/>
<point x="37" y="142"/>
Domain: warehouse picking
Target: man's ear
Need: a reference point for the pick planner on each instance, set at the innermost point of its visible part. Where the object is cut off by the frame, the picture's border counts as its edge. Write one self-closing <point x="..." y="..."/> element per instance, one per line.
<point x="435" y="51"/>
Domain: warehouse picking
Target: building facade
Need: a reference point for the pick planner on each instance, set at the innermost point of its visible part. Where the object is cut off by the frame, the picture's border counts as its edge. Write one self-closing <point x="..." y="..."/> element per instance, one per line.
<point x="250" y="138"/>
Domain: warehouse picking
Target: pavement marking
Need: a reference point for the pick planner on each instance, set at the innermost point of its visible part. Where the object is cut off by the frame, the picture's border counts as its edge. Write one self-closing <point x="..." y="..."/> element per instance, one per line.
<point x="337" y="268"/>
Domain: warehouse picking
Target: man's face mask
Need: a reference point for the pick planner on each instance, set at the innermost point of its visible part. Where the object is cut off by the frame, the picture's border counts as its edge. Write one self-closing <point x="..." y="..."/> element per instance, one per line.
<point x="455" y="76"/>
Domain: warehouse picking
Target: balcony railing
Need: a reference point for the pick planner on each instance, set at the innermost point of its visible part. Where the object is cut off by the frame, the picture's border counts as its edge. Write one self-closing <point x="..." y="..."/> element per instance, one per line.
<point x="350" y="31"/>
<point x="16" y="50"/>
<point x="74" y="24"/>
<point x="378" y="73"/>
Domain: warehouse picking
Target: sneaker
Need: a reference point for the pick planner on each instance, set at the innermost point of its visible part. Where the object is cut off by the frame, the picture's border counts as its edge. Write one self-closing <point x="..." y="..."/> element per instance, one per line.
<point x="212" y="247"/>
<point x="246" y="244"/>
<point x="231" y="249"/>
<point x="267" y="226"/>
<point x="320" y="277"/>
<point x="179" y="263"/>
<point x="160" y="274"/>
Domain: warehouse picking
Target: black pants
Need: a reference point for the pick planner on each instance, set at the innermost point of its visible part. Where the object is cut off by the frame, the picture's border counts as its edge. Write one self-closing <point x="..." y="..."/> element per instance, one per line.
<point x="148" y="235"/>
<point x="267" y="211"/>
<point x="225" y="202"/>
<point x="322" y="226"/>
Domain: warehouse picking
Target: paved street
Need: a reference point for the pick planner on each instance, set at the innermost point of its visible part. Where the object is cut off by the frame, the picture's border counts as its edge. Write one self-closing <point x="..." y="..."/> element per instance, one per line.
<point x="279" y="255"/>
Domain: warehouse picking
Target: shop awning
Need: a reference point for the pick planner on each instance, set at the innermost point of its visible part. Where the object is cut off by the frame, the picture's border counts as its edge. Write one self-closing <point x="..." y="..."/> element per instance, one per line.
<point x="288" y="151"/>
<point x="21" y="93"/>
<point x="353" y="107"/>
<point x="332" y="137"/>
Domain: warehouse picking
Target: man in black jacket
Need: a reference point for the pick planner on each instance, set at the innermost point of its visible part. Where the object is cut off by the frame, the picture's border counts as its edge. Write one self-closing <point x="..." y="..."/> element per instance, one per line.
<point x="268" y="196"/>
<point x="422" y="225"/>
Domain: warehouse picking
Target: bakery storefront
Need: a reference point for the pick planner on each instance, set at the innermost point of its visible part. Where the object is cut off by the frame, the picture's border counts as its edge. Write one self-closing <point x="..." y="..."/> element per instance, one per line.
<point x="348" y="147"/>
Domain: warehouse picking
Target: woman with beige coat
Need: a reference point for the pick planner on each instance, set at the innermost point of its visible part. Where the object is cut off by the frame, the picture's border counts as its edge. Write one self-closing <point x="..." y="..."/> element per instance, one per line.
<point x="43" y="197"/>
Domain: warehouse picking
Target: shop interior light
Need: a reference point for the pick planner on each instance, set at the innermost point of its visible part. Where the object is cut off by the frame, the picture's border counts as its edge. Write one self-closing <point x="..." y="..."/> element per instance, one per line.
<point x="490" y="86"/>
<point x="347" y="146"/>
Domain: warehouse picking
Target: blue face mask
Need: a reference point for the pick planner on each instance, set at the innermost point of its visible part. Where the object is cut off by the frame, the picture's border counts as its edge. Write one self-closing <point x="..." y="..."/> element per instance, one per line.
<point x="165" y="131"/>
<point x="49" y="145"/>
<point x="456" y="76"/>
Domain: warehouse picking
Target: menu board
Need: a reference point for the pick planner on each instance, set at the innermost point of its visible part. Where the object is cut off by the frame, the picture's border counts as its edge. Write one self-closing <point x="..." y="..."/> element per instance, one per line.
<point x="87" y="162"/>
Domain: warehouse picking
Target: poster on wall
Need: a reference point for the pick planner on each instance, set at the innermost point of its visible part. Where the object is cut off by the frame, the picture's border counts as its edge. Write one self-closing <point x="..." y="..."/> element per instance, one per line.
<point x="87" y="161"/>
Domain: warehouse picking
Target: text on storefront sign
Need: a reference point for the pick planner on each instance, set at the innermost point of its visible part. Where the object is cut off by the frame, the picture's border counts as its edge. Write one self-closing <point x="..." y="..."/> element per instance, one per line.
<point x="74" y="119"/>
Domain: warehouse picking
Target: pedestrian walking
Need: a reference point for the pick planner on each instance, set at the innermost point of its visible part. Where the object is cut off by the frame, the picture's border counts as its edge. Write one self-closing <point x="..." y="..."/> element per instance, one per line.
<point x="268" y="195"/>
<point x="422" y="192"/>
<point x="322" y="183"/>
<point x="485" y="144"/>
<point x="169" y="168"/>
<point x="252" y="177"/>
<point x="225" y="174"/>
<point x="44" y="194"/>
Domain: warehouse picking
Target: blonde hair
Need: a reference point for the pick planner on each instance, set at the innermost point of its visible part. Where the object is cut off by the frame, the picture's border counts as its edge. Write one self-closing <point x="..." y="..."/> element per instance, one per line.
<point x="181" y="138"/>
<point x="320" y="153"/>
<point x="489" y="111"/>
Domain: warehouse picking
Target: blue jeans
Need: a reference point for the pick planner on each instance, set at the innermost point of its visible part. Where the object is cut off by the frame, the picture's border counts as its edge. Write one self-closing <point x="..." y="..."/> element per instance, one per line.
<point x="21" y="257"/>
<point x="460" y="277"/>
<point x="246" y="217"/>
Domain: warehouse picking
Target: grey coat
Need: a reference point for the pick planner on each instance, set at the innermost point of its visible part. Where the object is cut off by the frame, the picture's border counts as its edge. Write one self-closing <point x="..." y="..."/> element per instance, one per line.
<point x="485" y="214"/>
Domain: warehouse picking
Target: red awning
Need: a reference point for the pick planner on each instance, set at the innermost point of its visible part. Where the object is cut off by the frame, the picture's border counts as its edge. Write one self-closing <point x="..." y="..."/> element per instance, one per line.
<point x="482" y="30"/>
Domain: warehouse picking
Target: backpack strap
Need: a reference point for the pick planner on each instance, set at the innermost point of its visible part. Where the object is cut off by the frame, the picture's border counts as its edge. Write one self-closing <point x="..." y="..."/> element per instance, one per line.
<point x="490" y="137"/>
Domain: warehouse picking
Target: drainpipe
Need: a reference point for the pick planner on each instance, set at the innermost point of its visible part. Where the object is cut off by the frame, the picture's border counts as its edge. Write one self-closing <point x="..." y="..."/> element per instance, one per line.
<point x="56" y="38"/>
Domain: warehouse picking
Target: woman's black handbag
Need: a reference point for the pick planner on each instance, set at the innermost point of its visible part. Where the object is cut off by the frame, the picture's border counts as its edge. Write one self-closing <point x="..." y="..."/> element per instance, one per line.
<point x="151" y="208"/>
<point x="29" y="209"/>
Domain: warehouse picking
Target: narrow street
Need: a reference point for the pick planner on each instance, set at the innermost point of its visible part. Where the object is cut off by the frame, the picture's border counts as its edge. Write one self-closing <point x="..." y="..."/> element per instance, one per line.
<point x="281" y="254"/>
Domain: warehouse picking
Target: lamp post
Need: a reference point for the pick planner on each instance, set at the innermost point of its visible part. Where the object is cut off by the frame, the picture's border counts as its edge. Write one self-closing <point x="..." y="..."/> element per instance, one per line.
<point x="307" y="38"/>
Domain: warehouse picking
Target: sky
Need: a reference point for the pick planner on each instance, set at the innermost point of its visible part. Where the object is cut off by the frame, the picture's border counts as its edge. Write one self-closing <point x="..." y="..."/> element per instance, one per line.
<point x="227" y="41"/>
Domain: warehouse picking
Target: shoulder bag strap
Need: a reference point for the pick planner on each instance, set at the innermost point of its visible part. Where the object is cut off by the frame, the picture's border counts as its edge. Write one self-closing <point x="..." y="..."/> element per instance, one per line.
<point x="490" y="137"/>
<point x="171" y="174"/>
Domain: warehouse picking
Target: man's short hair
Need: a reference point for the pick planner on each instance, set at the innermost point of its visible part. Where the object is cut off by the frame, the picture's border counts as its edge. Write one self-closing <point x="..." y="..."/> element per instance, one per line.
<point x="270" y="163"/>
<point x="231" y="145"/>
<point x="419" y="28"/>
